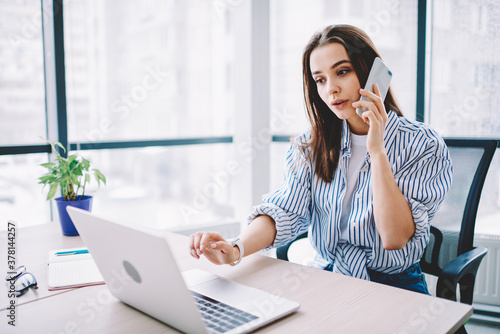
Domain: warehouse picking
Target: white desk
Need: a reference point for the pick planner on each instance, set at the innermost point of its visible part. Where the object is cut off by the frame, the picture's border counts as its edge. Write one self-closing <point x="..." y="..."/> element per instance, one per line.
<point x="329" y="302"/>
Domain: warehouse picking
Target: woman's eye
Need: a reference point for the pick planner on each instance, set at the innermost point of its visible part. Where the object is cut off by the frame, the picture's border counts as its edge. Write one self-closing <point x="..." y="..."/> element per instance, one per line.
<point x="343" y="72"/>
<point x="319" y="80"/>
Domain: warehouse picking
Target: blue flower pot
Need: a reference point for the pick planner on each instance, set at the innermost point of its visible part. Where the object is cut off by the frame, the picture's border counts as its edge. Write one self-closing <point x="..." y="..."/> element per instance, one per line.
<point x="68" y="228"/>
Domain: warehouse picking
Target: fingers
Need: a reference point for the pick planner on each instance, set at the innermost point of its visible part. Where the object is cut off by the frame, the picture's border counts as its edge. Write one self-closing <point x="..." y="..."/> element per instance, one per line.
<point x="194" y="245"/>
<point x="199" y="242"/>
<point x="215" y="248"/>
<point x="372" y="110"/>
<point x="375" y="97"/>
<point x="206" y="238"/>
<point x="376" y="90"/>
<point x="221" y="246"/>
<point x="380" y="102"/>
<point x="372" y="96"/>
<point x="221" y="252"/>
<point x="375" y="104"/>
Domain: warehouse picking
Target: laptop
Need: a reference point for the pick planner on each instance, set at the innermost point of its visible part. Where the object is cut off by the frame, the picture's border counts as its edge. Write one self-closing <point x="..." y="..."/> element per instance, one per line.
<point x="140" y="270"/>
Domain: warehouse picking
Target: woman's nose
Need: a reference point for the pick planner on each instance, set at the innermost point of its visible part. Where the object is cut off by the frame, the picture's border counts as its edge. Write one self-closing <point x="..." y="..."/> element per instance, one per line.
<point x="333" y="88"/>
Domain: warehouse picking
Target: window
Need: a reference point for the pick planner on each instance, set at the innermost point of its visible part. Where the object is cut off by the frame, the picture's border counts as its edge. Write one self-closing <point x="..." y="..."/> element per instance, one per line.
<point x="392" y="25"/>
<point x="464" y="85"/>
<point x="145" y="77"/>
<point x="148" y="78"/>
<point x="464" y="66"/>
<point x="22" y="92"/>
<point x="165" y="187"/>
<point x="154" y="70"/>
<point x="21" y="197"/>
<point x="22" y="111"/>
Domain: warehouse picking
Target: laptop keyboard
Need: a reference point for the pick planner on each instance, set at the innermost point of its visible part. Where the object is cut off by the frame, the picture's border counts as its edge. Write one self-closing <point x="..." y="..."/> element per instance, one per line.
<point x="220" y="317"/>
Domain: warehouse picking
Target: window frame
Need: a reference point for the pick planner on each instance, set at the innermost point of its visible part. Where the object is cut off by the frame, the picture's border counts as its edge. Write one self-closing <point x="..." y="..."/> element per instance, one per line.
<point x="250" y="21"/>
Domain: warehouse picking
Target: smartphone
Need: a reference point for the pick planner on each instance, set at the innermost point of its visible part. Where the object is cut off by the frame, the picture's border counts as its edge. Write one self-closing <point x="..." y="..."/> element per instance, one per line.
<point x="380" y="75"/>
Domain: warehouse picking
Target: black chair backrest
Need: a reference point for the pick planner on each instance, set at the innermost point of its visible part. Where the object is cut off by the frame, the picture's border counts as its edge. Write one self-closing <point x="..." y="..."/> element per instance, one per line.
<point x="452" y="228"/>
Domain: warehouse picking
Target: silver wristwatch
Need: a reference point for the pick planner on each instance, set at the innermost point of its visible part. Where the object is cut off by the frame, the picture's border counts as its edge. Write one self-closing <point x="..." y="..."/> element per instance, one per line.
<point x="238" y="243"/>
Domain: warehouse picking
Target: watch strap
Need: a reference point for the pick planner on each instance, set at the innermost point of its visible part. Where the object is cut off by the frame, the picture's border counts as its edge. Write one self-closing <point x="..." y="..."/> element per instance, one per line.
<point x="238" y="243"/>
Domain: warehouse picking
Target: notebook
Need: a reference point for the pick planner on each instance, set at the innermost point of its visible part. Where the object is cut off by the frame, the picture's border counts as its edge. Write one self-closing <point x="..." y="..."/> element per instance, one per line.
<point x="69" y="268"/>
<point x="140" y="270"/>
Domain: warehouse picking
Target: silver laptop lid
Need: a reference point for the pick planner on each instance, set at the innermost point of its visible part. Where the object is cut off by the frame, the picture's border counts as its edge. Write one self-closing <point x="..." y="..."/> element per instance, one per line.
<point x="132" y="272"/>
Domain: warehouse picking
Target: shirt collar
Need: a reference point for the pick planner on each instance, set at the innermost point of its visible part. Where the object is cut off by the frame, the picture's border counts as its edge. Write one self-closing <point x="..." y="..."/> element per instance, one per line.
<point x="346" y="137"/>
<point x="390" y="131"/>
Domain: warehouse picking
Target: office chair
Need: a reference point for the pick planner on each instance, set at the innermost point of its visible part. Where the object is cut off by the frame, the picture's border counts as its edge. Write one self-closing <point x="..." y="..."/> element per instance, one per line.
<point x="450" y="254"/>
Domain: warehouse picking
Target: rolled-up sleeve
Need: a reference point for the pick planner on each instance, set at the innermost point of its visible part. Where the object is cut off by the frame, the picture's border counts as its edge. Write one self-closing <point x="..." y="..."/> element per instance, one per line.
<point x="424" y="182"/>
<point x="290" y="205"/>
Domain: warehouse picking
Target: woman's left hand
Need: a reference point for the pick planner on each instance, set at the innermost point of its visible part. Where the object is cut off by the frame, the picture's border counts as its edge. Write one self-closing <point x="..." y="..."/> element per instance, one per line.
<point x="376" y="115"/>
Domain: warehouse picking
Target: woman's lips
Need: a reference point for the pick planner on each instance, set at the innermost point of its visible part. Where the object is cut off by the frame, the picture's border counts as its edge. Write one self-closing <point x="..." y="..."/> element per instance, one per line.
<point x="338" y="104"/>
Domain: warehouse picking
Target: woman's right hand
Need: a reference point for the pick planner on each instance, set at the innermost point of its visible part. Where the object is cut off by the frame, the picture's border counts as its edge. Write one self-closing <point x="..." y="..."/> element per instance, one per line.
<point x="215" y="248"/>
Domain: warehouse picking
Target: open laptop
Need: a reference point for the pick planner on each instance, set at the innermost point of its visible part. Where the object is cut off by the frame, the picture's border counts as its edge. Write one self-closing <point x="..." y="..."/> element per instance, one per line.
<point x="139" y="269"/>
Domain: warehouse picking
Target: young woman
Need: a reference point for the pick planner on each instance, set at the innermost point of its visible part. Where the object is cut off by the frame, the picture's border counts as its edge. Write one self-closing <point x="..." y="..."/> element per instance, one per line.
<point x="365" y="187"/>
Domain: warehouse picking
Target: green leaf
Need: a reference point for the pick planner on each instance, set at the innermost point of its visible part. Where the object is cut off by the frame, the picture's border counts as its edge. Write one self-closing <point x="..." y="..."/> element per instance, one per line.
<point x="76" y="180"/>
<point x="60" y="145"/>
<point x="52" y="191"/>
<point x="63" y="165"/>
<point x="78" y="170"/>
<point x="48" y="165"/>
<point x="85" y="163"/>
<point x="68" y="174"/>
<point x="73" y="164"/>
<point x="47" y="179"/>
<point x="99" y="176"/>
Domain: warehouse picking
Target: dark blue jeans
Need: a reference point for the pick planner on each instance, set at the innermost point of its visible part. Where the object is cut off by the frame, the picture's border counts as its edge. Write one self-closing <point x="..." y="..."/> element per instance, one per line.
<point x="411" y="279"/>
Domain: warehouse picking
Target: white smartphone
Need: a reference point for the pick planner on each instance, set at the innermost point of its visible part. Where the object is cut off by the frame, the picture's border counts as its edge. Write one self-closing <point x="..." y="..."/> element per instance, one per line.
<point x="380" y="75"/>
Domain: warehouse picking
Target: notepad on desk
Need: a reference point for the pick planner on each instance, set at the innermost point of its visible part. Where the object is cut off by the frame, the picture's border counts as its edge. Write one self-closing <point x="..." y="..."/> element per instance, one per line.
<point x="72" y="268"/>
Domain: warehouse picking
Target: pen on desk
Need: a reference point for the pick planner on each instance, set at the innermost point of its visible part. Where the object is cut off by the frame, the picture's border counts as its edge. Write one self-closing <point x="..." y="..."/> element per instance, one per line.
<point x="74" y="252"/>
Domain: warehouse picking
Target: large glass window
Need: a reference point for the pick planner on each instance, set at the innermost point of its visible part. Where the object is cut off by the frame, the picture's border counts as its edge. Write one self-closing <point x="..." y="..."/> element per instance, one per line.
<point x="166" y="187"/>
<point x="22" y="199"/>
<point x="464" y="85"/>
<point x="392" y="25"/>
<point x="164" y="69"/>
<point x="22" y="91"/>
<point x="134" y="71"/>
<point x="148" y="70"/>
<point x="22" y="112"/>
<point x="153" y="71"/>
<point x="465" y="65"/>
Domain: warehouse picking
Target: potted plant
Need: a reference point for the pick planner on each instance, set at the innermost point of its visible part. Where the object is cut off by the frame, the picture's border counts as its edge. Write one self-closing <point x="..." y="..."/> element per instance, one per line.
<point x="71" y="175"/>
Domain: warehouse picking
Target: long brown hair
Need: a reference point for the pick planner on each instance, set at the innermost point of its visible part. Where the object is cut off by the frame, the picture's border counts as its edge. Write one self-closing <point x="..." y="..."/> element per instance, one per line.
<point x="326" y="126"/>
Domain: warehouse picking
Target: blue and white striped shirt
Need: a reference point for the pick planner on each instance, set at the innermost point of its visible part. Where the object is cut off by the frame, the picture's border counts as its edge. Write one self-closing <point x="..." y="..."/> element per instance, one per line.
<point x="422" y="169"/>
